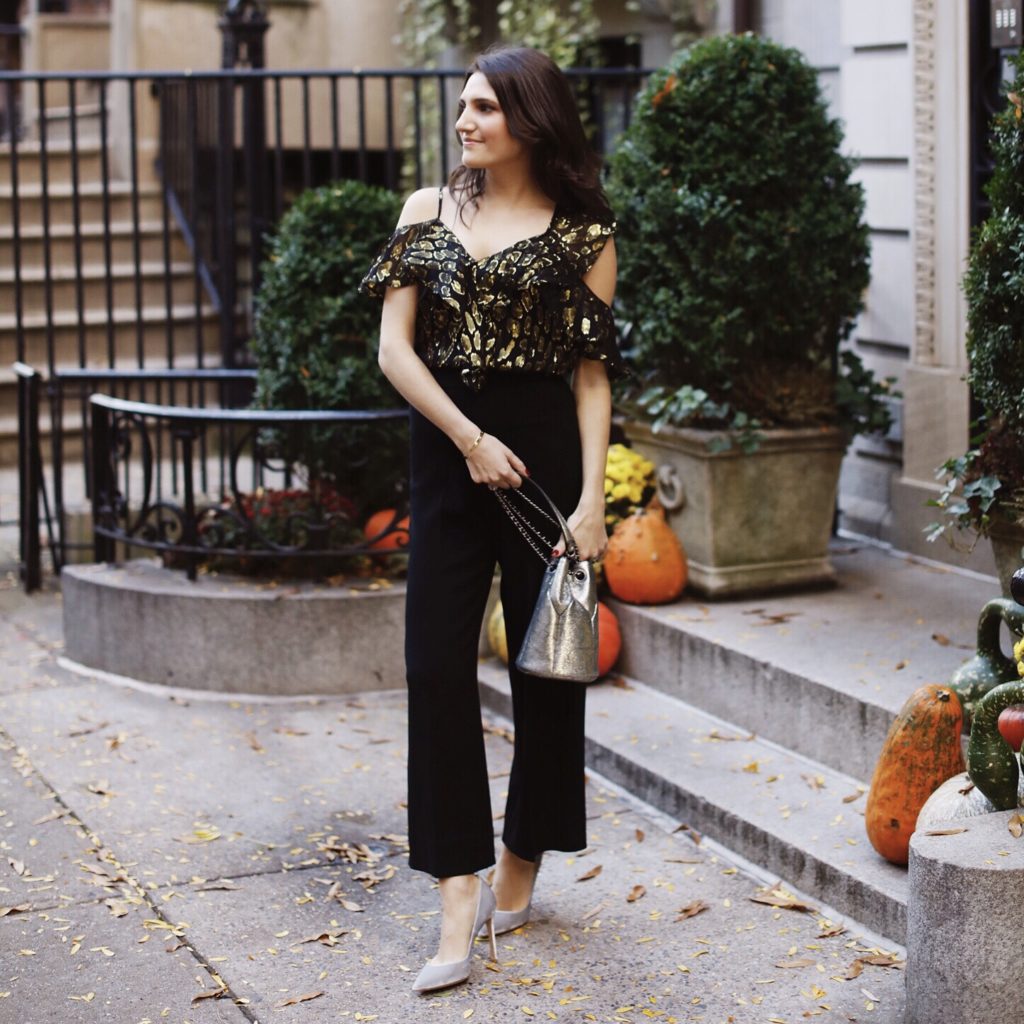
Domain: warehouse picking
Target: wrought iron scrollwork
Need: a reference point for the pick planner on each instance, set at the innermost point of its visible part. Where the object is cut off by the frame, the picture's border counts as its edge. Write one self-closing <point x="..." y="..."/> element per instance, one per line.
<point x="227" y="494"/>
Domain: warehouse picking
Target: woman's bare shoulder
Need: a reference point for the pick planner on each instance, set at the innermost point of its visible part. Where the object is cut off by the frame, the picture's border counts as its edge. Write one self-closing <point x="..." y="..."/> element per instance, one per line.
<point x="420" y="206"/>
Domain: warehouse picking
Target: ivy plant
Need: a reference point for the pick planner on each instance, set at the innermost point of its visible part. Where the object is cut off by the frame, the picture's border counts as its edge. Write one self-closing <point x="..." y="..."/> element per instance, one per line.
<point x="988" y="481"/>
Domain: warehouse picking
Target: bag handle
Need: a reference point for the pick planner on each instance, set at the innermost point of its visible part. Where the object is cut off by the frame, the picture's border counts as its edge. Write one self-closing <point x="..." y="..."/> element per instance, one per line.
<point x="570" y="541"/>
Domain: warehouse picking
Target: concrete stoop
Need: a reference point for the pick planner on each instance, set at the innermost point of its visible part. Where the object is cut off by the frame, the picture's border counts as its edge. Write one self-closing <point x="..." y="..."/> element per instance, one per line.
<point x="758" y="722"/>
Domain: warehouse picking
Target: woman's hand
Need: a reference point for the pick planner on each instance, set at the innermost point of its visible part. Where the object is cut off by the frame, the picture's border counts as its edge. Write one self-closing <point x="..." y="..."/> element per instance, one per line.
<point x="495" y="464"/>
<point x="587" y="527"/>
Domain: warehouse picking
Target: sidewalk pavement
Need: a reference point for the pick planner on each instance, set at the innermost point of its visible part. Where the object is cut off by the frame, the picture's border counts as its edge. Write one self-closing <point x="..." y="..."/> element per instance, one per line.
<point x="173" y="858"/>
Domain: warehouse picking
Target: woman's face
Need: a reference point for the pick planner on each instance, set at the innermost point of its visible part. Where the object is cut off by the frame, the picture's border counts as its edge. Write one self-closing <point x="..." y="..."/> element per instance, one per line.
<point x="481" y="124"/>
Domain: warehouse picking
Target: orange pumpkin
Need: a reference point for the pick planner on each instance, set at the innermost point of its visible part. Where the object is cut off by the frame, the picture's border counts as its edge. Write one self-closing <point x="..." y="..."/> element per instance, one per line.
<point x="645" y="563"/>
<point x="609" y="638"/>
<point x="921" y="751"/>
<point x="379" y="522"/>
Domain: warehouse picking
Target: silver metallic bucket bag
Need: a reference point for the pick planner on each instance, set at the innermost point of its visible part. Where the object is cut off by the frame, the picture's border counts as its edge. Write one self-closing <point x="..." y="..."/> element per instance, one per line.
<point x="561" y="640"/>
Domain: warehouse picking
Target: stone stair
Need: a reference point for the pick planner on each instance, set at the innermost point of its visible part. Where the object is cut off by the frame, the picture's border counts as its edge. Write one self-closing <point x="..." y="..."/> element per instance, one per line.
<point x="90" y="306"/>
<point x="757" y="722"/>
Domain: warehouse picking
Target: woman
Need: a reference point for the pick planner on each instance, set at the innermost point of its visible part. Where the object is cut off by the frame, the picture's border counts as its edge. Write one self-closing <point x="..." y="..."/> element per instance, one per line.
<point x="495" y="288"/>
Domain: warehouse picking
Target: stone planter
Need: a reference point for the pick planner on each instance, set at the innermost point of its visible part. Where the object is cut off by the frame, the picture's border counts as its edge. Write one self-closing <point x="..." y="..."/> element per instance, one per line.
<point x="748" y="523"/>
<point x="1007" y="541"/>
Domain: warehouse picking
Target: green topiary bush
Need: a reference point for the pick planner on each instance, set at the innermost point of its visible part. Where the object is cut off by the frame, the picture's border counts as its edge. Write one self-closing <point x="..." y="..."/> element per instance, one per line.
<point x="315" y="339"/>
<point x="988" y="480"/>
<point x="743" y="254"/>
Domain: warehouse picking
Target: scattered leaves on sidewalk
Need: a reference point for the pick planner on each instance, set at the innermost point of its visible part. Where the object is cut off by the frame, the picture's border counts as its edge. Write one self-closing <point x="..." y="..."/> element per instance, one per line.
<point x="223" y="883"/>
<point x="592" y="873"/>
<point x="200" y="834"/>
<point x="21" y="908"/>
<point x="326" y="938"/>
<point x="729" y="737"/>
<point x="497" y="730"/>
<point x="305" y="998"/>
<point x="692" y="910"/>
<point x="253" y="742"/>
<point x="57" y="812"/>
<point x="636" y="893"/>
<point x="850" y="797"/>
<point x="781" y="898"/>
<point x="941" y="639"/>
<point x="901" y="665"/>
<point x="157" y="925"/>
<point x="690" y="831"/>
<point x="101" y="787"/>
<point x="87" y="998"/>
<point x="816" y="782"/>
<point x="944" y="831"/>
<point x="85" y="730"/>
<point x="771" y="618"/>
<point x="1016" y="826"/>
<point x="793" y="964"/>
<point x="211" y="993"/>
<point x="830" y="930"/>
<point x="639" y="835"/>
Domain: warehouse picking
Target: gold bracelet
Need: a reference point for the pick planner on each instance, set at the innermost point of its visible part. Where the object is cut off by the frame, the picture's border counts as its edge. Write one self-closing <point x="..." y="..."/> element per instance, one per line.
<point x="472" y="447"/>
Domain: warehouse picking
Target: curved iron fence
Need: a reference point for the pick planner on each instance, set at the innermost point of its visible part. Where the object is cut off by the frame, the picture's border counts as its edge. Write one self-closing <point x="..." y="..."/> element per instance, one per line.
<point x="268" y="509"/>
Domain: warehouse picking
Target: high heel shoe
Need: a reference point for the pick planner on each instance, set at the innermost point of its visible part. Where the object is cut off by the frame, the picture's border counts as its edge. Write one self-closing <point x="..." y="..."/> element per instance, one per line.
<point x="510" y="920"/>
<point x="436" y="976"/>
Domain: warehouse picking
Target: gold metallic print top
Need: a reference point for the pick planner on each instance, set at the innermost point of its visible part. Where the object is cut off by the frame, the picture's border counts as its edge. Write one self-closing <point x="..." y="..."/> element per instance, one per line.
<point x="525" y="307"/>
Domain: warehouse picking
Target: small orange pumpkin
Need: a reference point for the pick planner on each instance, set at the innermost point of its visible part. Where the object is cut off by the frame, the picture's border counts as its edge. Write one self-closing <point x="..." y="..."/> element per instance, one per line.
<point x="379" y="522"/>
<point x="609" y="639"/>
<point x="645" y="563"/>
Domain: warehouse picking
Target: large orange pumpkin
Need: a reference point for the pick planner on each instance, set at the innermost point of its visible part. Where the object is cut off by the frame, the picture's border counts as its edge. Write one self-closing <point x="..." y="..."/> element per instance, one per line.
<point x="645" y="563"/>
<point x="380" y="521"/>
<point x="921" y="751"/>
<point x="609" y="638"/>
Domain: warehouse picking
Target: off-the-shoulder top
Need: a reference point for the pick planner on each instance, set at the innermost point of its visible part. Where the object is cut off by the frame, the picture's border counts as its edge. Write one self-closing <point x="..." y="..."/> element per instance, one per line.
<point x="525" y="307"/>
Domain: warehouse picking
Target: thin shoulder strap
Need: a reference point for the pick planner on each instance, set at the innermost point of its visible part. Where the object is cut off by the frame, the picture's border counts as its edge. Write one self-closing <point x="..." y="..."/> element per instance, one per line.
<point x="440" y="200"/>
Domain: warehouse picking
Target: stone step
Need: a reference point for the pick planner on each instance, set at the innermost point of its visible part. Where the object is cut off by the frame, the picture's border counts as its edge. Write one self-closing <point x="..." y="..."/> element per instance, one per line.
<point x="124" y="338"/>
<point x="93" y="242"/>
<point x="58" y="120"/>
<point x="823" y="673"/>
<point x="59" y="162"/>
<point x="60" y="200"/>
<point x="787" y="814"/>
<point x="64" y="286"/>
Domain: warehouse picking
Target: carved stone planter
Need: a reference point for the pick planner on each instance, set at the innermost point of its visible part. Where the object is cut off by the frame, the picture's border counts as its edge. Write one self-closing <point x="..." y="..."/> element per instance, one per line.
<point x="1007" y="542"/>
<point x="749" y="523"/>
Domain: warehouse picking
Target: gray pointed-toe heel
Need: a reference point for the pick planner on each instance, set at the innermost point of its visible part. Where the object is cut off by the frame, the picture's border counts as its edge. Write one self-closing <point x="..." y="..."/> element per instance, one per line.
<point x="437" y="976"/>
<point x="509" y="920"/>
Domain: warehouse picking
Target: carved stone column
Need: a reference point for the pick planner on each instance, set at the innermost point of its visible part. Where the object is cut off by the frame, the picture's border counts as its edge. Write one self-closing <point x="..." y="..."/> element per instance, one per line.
<point x="935" y="406"/>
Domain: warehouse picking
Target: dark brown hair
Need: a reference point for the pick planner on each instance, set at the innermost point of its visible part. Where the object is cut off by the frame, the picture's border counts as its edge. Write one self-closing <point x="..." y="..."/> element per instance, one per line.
<point x="540" y="109"/>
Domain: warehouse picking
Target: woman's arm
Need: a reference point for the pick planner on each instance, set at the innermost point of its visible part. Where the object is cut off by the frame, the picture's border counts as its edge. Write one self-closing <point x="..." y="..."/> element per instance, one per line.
<point x="491" y="462"/>
<point x="593" y="413"/>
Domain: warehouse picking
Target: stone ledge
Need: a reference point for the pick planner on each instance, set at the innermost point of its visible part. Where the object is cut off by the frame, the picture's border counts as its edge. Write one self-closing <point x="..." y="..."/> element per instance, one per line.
<point x="233" y="634"/>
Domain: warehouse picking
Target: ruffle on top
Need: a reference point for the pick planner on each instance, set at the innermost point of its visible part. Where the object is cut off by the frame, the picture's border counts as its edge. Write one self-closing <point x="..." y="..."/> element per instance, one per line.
<point x="524" y="307"/>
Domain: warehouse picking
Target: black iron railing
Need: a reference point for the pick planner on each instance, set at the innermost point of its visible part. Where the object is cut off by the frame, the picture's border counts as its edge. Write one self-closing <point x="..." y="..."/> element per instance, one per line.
<point x="133" y="276"/>
<point x="118" y="261"/>
<point x="54" y="496"/>
<point x="260" y="514"/>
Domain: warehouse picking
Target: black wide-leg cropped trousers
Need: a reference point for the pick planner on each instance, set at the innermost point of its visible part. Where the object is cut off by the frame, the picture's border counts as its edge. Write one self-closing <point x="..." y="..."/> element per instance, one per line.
<point x="458" y="533"/>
